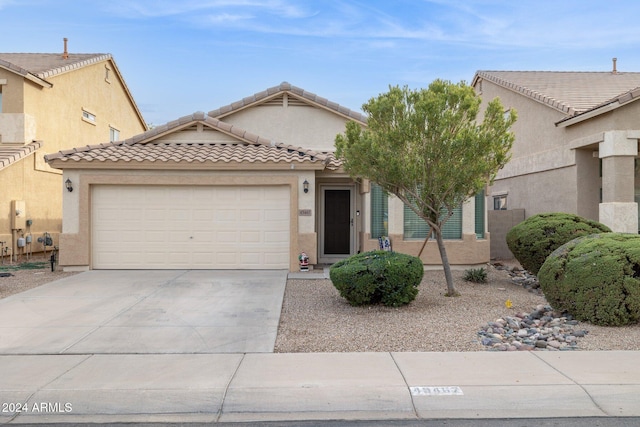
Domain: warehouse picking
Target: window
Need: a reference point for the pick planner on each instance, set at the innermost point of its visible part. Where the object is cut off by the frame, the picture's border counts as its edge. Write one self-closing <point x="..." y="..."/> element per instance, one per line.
<point x="479" y="215"/>
<point x="88" y="117"/>
<point x="416" y="228"/>
<point x="114" y="134"/>
<point x="379" y="212"/>
<point x="500" y="202"/>
<point x="0" y="98"/>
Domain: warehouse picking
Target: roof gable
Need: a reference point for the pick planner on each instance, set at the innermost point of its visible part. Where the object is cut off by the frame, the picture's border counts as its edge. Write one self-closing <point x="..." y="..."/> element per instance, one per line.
<point x="46" y="65"/>
<point x="38" y="67"/>
<point x="285" y="92"/>
<point x="156" y="147"/>
<point x="572" y="93"/>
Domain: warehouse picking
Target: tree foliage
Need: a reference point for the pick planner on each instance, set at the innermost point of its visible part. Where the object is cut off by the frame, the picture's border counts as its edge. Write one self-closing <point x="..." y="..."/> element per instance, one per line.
<point x="426" y="147"/>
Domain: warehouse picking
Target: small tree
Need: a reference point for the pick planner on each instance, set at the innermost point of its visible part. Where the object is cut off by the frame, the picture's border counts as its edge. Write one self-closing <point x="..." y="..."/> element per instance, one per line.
<point x="426" y="148"/>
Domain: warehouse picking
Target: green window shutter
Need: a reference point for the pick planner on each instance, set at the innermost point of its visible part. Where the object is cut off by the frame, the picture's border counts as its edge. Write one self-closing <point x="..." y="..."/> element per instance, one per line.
<point x="480" y="213"/>
<point x="379" y="212"/>
<point x="416" y="228"/>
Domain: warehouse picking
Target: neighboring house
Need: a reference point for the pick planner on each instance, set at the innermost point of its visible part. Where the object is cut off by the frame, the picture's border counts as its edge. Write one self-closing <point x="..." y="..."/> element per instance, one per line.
<point x="49" y="102"/>
<point x="576" y="144"/>
<point x="248" y="186"/>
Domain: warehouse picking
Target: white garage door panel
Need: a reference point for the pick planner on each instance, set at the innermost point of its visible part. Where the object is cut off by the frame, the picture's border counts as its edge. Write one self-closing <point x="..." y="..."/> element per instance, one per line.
<point x="141" y="227"/>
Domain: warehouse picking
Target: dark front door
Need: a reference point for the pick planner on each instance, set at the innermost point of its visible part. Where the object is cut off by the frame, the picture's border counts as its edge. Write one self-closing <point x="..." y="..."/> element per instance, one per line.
<point x="337" y="222"/>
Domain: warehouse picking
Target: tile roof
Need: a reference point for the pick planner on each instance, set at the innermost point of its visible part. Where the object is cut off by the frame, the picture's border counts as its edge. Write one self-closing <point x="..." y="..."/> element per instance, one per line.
<point x="147" y="147"/>
<point x="294" y="91"/>
<point x="39" y="67"/>
<point x="572" y="93"/>
<point x="45" y="65"/>
<point x="11" y="153"/>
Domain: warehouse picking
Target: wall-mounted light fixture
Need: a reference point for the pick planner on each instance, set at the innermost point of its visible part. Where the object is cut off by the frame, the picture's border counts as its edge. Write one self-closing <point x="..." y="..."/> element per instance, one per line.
<point x="69" y="185"/>
<point x="305" y="186"/>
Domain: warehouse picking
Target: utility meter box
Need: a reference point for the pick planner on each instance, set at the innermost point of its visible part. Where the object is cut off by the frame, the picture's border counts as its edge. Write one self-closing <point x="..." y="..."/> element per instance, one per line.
<point x="18" y="215"/>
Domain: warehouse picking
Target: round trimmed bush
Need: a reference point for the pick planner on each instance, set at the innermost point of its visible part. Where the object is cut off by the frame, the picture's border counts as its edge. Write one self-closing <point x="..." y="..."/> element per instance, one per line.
<point x="535" y="238"/>
<point x="378" y="277"/>
<point x="595" y="278"/>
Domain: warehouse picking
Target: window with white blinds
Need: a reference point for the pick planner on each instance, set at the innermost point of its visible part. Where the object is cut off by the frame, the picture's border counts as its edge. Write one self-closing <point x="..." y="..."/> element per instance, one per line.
<point x="379" y="212"/>
<point x="416" y="228"/>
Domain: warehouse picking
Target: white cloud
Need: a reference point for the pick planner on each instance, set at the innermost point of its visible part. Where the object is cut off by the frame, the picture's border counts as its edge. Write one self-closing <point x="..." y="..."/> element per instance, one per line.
<point x="5" y="3"/>
<point x="227" y="18"/>
<point x="163" y="8"/>
<point x="478" y="24"/>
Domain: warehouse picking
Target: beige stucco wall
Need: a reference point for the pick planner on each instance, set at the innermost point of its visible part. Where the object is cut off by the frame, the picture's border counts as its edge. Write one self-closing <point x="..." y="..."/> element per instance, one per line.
<point x="555" y="168"/>
<point x="468" y="251"/>
<point x="75" y="241"/>
<point x="58" y="110"/>
<point x="547" y="191"/>
<point x="57" y="119"/>
<point x="307" y="126"/>
<point x="12" y="92"/>
<point x="462" y="253"/>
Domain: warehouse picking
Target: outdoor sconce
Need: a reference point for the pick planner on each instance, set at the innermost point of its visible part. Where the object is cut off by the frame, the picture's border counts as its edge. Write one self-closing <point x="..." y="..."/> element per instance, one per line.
<point x="305" y="186"/>
<point x="69" y="185"/>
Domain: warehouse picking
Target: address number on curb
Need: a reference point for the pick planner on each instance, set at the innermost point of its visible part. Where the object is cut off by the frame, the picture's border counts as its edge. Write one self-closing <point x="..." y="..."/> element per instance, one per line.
<point x="436" y="391"/>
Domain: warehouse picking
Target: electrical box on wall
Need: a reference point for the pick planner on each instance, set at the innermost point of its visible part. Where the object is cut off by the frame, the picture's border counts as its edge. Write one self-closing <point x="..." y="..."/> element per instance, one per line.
<point x="18" y="215"/>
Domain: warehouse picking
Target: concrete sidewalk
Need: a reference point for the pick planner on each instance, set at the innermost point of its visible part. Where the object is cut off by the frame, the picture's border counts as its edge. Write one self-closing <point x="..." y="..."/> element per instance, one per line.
<point x="308" y="386"/>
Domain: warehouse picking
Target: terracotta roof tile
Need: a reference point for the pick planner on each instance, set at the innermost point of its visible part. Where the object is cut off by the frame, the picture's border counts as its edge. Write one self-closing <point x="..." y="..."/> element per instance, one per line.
<point x="146" y="147"/>
<point x="11" y="153"/>
<point x="161" y="152"/>
<point x="46" y="65"/>
<point x="570" y="92"/>
<point x="293" y="90"/>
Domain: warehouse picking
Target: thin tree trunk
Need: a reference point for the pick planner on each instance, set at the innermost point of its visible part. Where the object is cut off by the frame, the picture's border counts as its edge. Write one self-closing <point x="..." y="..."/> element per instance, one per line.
<point x="451" y="289"/>
<point x="424" y="244"/>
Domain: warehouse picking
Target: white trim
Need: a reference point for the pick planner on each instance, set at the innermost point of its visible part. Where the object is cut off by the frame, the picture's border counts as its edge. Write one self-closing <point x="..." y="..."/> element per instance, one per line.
<point x="588" y="115"/>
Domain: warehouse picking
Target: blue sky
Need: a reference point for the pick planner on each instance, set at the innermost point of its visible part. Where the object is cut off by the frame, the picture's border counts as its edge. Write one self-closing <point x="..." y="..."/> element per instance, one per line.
<point x="182" y="56"/>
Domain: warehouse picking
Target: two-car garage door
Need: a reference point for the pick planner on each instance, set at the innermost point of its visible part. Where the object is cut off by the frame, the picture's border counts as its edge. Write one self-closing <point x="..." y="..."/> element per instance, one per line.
<point x="194" y="227"/>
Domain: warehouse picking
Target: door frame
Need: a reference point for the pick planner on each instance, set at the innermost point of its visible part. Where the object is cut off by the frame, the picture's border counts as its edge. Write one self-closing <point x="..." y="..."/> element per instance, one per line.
<point x="331" y="258"/>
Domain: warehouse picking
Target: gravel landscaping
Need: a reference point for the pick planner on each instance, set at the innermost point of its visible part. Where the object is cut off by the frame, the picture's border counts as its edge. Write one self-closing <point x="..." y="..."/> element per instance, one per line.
<point x="316" y="319"/>
<point x="20" y="280"/>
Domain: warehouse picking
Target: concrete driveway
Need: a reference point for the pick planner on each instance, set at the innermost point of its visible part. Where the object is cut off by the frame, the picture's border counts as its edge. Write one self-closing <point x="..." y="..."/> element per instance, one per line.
<point x="139" y="312"/>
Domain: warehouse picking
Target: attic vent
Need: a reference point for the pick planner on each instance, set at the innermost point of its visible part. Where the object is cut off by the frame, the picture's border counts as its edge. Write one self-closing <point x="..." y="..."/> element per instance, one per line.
<point x="290" y="102"/>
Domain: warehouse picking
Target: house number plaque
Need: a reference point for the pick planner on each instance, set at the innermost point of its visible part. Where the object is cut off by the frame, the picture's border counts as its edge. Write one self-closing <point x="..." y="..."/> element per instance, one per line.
<point x="304" y="212"/>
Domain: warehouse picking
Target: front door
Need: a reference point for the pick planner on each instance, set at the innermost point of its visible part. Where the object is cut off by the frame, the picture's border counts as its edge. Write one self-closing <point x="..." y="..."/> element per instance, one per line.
<point x="337" y="221"/>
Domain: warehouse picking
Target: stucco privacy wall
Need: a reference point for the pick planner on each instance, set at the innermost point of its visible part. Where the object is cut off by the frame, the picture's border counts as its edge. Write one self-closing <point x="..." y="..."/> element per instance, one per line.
<point x="76" y="237"/>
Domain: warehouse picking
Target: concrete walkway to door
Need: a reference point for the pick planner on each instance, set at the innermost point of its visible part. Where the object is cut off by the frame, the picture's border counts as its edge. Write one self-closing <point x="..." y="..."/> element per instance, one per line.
<point x="138" y="312"/>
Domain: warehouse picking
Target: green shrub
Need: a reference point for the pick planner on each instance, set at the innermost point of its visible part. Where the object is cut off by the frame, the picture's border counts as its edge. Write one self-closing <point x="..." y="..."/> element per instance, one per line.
<point x="476" y="275"/>
<point x="535" y="238"/>
<point x="378" y="277"/>
<point x="595" y="278"/>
